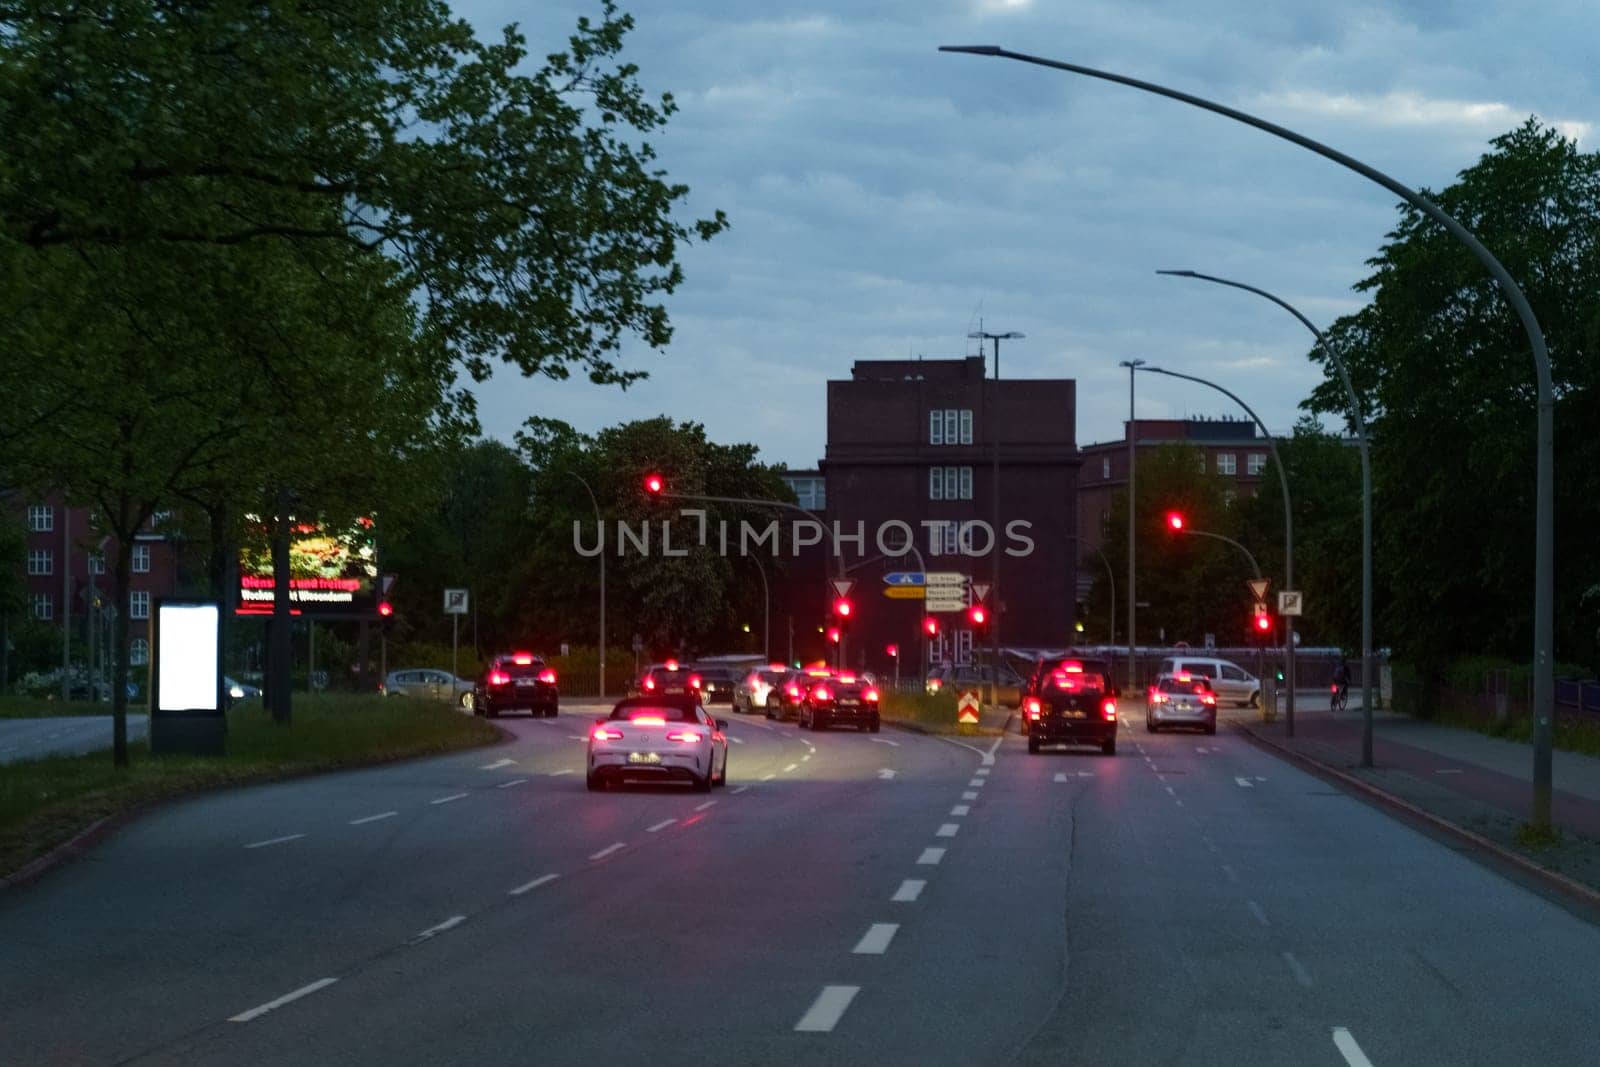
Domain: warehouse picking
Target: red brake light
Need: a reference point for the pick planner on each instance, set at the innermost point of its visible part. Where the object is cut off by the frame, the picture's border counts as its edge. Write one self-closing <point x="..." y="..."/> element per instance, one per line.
<point x="685" y="735"/>
<point x="870" y="696"/>
<point x="1108" y="708"/>
<point x="672" y="664"/>
<point x="694" y="681"/>
<point x="547" y="676"/>
<point x="605" y="733"/>
<point x="847" y="678"/>
<point x="649" y="682"/>
<point x="1185" y="678"/>
<point x="1333" y="688"/>
<point x="1072" y="667"/>
<point x="1033" y="707"/>
<point x="522" y="659"/>
<point x="933" y="684"/>
<point x="499" y="678"/>
<point x="648" y="720"/>
<point x="821" y="692"/>
<point x="1208" y="699"/>
<point x="794" y="691"/>
<point x="1063" y="682"/>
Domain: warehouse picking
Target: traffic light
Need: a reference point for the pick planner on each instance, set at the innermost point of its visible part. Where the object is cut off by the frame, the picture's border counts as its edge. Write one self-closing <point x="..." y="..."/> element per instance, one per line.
<point x="1263" y="624"/>
<point x="1175" y="521"/>
<point x="893" y="651"/>
<point x="834" y="635"/>
<point x="385" y="609"/>
<point x="930" y="626"/>
<point x="654" y="484"/>
<point x="842" y="607"/>
<point x="977" y="615"/>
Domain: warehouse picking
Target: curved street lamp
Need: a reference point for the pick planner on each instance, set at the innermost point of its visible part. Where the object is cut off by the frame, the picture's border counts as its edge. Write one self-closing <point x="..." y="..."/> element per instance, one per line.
<point x="598" y="524"/>
<point x="1544" y="493"/>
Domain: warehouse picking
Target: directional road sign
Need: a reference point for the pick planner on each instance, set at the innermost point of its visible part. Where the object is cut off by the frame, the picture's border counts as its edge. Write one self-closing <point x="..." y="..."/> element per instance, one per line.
<point x="967" y="706"/>
<point x="903" y="578"/>
<point x="1258" y="587"/>
<point x="903" y="592"/>
<point x="955" y="578"/>
<point x="1290" y="602"/>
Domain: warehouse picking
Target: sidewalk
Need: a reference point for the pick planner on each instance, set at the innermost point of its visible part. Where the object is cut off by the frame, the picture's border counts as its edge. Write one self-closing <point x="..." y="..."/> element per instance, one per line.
<point x="1477" y="783"/>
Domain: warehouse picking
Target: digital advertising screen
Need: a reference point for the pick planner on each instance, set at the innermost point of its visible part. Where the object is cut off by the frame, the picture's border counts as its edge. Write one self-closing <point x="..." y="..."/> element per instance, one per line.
<point x="333" y="571"/>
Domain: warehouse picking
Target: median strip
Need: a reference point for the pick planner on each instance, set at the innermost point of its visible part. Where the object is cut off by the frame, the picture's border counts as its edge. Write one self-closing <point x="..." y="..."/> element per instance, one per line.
<point x="287" y="998"/>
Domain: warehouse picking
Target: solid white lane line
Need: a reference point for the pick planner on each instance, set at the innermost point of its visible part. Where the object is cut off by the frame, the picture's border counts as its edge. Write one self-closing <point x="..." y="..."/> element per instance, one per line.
<point x="1346" y="1044"/>
<point x="273" y="1005"/>
<point x="884" y="741"/>
<point x="535" y="884"/>
<point x="608" y="850"/>
<point x="512" y="782"/>
<point x="961" y="809"/>
<point x="275" y="840"/>
<point x="829" y="1007"/>
<point x="909" y="890"/>
<point x="741" y="789"/>
<point x="947" y="829"/>
<point x="658" y="827"/>
<point x="982" y="772"/>
<point x="703" y="807"/>
<point x="969" y="795"/>
<point x="791" y="767"/>
<point x="497" y="764"/>
<point x="875" y="942"/>
<point x="448" y="799"/>
<point x="557" y="774"/>
<point x="449" y="924"/>
<point x="1255" y="909"/>
<point x="1300" y="974"/>
<point x="930" y="857"/>
<point x="374" y="818"/>
<point x="1244" y="783"/>
<point x="988" y="757"/>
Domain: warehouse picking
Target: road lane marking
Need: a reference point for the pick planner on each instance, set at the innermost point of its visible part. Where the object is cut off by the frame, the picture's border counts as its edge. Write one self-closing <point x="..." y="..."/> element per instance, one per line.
<point x="448" y="799"/>
<point x="884" y="741"/>
<point x="930" y="857"/>
<point x="975" y="783"/>
<point x="497" y="764"/>
<point x="1445" y="770"/>
<point x="741" y="789"/>
<point x="909" y="890"/>
<point x="275" y="840"/>
<point x="373" y="818"/>
<point x="1232" y="877"/>
<point x="608" y="850"/>
<point x="961" y="809"/>
<point x="805" y="757"/>
<point x="1170" y="793"/>
<point x="768" y="777"/>
<point x="535" y="884"/>
<point x="1255" y="909"/>
<point x="982" y="771"/>
<point x="885" y="773"/>
<point x="826" y="1011"/>
<point x="1300" y="974"/>
<point x="736" y="740"/>
<point x="969" y="795"/>
<point x="273" y="1005"/>
<point x="1244" y="783"/>
<point x="433" y="931"/>
<point x="875" y="942"/>
<point x="1201" y="749"/>
<point x="1346" y="1044"/>
<point x="558" y="774"/>
<point x="512" y="782"/>
<point x="658" y="827"/>
<point x="703" y="807"/>
<point x="947" y="829"/>
<point x="988" y="757"/>
<point x="791" y="767"/>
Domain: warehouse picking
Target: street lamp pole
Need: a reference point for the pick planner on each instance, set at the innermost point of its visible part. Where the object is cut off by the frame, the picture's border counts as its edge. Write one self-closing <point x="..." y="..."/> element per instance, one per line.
<point x="766" y="611"/>
<point x="1111" y="634"/>
<point x="1360" y="423"/>
<point x="1544" y="681"/>
<point x="992" y="418"/>
<point x="1132" y="365"/>
<point x="1261" y="654"/>
<point x="596" y="502"/>
<point x="1288" y="530"/>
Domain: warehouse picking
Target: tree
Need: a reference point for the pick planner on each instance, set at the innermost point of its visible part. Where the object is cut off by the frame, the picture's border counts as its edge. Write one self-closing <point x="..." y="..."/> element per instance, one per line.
<point x="1443" y="362"/>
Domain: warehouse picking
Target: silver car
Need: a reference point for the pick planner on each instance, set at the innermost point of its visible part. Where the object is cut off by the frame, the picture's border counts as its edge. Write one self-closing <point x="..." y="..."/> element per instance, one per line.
<point x="1231" y="682"/>
<point x="427" y="683"/>
<point x="1181" y="700"/>
<point x="658" y="739"/>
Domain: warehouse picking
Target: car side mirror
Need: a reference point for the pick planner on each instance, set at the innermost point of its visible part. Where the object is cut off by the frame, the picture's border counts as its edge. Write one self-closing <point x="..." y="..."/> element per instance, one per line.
<point x="722" y="724"/>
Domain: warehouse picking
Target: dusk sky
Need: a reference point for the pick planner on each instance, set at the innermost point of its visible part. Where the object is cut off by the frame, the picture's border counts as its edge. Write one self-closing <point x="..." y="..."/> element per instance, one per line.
<point x="885" y="197"/>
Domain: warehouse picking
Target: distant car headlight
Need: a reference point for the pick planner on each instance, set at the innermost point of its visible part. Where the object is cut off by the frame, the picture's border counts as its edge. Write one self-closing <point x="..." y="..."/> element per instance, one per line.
<point x="236" y="692"/>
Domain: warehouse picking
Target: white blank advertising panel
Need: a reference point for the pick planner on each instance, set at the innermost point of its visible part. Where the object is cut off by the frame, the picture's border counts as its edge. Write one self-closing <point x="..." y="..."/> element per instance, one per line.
<point x="187" y="664"/>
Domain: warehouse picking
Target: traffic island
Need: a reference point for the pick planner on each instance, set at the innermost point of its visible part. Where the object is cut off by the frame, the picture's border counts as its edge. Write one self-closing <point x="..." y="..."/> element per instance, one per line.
<point x="936" y="713"/>
<point x="51" y="809"/>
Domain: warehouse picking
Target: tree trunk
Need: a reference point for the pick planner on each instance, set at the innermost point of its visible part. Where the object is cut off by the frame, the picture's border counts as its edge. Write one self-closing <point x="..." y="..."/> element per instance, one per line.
<point x="279" y="651"/>
<point x="219" y="571"/>
<point x="122" y="578"/>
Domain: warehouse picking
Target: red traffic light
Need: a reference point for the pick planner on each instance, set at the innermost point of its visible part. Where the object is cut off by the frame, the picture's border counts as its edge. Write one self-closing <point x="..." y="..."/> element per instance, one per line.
<point x="385" y="608"/>
<point x="893" y="650"/>
<point x="834" y="635"/>
<point x="1175" y="521"/>
<point x="1263" y="623"/>
<point x="930" y="626"/>
<point x="654" y="484"/>
<point x="977" y="615"/>
<point x="842" y="607"/>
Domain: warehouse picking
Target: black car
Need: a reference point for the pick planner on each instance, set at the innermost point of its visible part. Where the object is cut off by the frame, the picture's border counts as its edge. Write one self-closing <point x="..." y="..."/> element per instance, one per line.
<point x="665" y="679"/>
<point x="787" y="697"/>
<point x="716" y="682"/>
<point x="520" y="680"/>
<point x="1071" y="701"/>
<point x="843" y="699"/>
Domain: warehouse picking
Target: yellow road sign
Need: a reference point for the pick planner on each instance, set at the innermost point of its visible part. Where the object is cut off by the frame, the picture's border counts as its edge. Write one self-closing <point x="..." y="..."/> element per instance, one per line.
<point x="904" y="592"/>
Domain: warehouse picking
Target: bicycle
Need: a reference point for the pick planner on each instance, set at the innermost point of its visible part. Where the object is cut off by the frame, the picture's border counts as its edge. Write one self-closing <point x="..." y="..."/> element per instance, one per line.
<point x="1340" y="697"/>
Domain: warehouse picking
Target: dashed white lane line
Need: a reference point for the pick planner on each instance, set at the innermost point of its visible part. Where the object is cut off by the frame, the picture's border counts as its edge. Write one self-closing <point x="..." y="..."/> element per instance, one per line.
<point x="1229" y="871"/>
<point x="1244" y="783"/>
<point x="1169" y="791"/>
<point x="448" y="799"/>
<point x="791" y="767"/>
<point x="1443" y="770"/>
<point x="1300" y="973"/>
<point x="273" y="1005"/>
<point x="982" y="772"/>
<point x="975" y="783"/>
<point x="558" y="774"/>
<point x="969" y="795"/>
<point x="658" y="827"/>
<point x="930" y="857"/>
<point x="875" y="942"/>
<point x="512" y="782"/>
<point x="961" y="809"/>
<point x="433" y="931"/>
<point x="884" y="741"/>
<point x="1346" y="1044"/>
<point x="739" y="790"/>
<point x="703" y="807"/>
<point x="1255" y="909"/>
<point x="497" y="764"/>
<point x="768" y="777"/>
<point x="275" y="840"/>
<point x="805" y="757"/>
<point x="577" y="737"/>
<point x="909" y="890"/>
<point x="1062" y="776"/>
<point x="829" y="1007"/>
<point x="736" y="740"/>
<point x="608" y="850"/>
<point x="373" y="818"/>
<point x="885" y="773"/>
<point x="527" y="887"/>
<point x="947" y="829"/>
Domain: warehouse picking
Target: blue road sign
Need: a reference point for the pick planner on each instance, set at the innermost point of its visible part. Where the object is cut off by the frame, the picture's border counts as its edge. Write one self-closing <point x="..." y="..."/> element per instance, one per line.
<point x="903" y="578"/>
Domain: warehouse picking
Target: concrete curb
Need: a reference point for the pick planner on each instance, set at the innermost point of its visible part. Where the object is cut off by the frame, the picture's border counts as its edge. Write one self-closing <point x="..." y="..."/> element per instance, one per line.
<point x="912" y="726"/>
<point x="1555" y="881"/>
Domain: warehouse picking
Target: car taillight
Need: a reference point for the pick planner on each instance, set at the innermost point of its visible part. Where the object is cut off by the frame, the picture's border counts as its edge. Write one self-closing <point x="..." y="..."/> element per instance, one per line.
<point x="1158" y="698"/>
<point x="847" y="678"/>
<point x="522" y="659"/>
<point x="1064" y="682"/>
<point x="1033" y="706"/>
<point x="933" y="685"/>
<point x="1208" y="699"/>
<point x="870" y="696"/>
<point x="685" y="735"/>
<point x="821" y="692"/>
<point x="605" y="733"/>
<point x="1108" y="708"/>
<point x="794" y="692"/>
<point x="694" y="681"/>
<point x="547" y="676"/>
<point x="649" y="684"/>
<point x="499" y="678"/>
<point x="1333" y="688"/>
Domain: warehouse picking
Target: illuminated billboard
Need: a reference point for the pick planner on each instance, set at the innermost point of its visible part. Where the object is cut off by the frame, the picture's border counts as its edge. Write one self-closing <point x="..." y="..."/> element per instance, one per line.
<point x="332" y="571"/>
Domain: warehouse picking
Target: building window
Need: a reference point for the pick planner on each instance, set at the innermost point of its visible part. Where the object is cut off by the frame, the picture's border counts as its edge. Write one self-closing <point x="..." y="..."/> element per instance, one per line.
<point x="138" y="652"/>
<point x="949" y="483"/>
<point x="966" y="426"/>
<point x="950" y="426"/>
<point x="138" y="604"/>
<point x="41" y="518"/>
<point x="1202" y="463"/>
<point x="97" y="563"/>
<point x="1105" y="467"/>
<point x="41" y="606"/>
<point x="1227" y="463"/>
<point x="41" y="561"/>
<point x="141" y="559"/>
<point x="944" y="539"/>
<point x="1256" y="463"/>
<point x="936" y="427"/>
<point x="935" y="483"/>
<point x="966" y="482"/>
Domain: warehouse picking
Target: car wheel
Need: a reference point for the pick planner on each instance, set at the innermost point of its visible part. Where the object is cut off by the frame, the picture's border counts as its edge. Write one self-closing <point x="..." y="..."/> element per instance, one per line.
<point x="1149" y="724"/>
<point x="1211" y="727"/>
<point x="466" y="701"/>
<point x="1033" y="746"/>
<point x="703" y="785"/>
<point x="1109" y="748"/>
<point x="596" y="783"/>
<point x="1255" y="699"/>
<point x="874" y="727"/>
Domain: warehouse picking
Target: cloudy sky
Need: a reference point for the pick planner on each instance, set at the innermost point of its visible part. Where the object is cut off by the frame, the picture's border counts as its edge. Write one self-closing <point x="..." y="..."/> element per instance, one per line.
<point x="884" y="197"/>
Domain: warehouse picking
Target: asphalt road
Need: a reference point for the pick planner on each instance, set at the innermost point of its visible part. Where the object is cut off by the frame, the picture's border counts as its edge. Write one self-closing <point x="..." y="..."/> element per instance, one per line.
<point x="848" y="899"/>
<point x="62" y="735"/>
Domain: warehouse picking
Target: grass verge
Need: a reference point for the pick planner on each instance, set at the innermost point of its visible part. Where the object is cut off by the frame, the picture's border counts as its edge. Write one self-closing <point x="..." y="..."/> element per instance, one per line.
<point x="17" y="706"/>
<point x="929" y="712"/>
<point x="46" y="802"/>
<point x="1573" y="734"/>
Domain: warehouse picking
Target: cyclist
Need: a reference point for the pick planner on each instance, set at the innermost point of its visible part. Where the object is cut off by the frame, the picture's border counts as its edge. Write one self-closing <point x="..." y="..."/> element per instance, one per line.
<point x="1341" y="684"/>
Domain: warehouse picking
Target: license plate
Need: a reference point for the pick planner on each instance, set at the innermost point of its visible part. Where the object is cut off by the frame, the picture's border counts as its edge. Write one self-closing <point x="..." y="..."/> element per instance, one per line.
<point x="644" y="757"/>
<point x="1075" y="714"/>
<point x="849" y="703"/>
<point x="526" y="683"/>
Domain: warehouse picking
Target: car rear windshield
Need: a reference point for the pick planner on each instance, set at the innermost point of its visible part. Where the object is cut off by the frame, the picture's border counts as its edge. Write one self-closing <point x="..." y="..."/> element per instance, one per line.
<point x="715" y="674"/>
<point x="1207" y="670"/>
<point x="1086" y="681"/>
<point x="1174" y="685"/>
<point x="521" y="670"/>
<point x="772" y="677"/>
<point x="670" y="714"/>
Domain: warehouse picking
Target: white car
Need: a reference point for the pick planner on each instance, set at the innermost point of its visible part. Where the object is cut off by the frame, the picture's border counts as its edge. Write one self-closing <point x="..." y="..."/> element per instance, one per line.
<point x="659" y="739"/>
<point x="1231" y="682"/>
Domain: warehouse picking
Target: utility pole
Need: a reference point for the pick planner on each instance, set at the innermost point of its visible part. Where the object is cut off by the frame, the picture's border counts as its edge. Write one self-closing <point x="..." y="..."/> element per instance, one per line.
<point x="66" y="602"/>
<point x="1133" y="431"/>
<point x="992" y="421"/>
